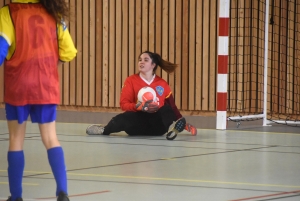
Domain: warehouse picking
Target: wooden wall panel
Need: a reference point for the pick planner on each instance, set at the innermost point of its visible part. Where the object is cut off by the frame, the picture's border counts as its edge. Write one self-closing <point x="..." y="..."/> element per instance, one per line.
<point x="118" y="55"/>
<point x="145" y="24"/>
<point x="91" y="53"/>
<point x="111" y="34"/>
<point x="99" y="52"/>
<point x="138" y="33"/>
<point x="290" y="61"/>
<point x="111" y="53"/>
<point x="206" y="62"/>
<point x="72" y="79"/>
<point x="131" y="51"/>
<point x="232" y="83"/>
<point x="198" y="55"/>
<point x="191" y="58"/>
<point x="85" y="54"/>
<point x="185" y="57"/>
<point x="296" y="62"/>
<point x="247" y="57"/>
<point x="124" y="60"/>
<point x="213" y="18"/>
<point x="105" y="67"/>
<point x="151" y="30"/>
<point x="158" y="31"/>
<point x="178" y="42"/>
<point x="254" y="20"/>
<point x="171" y="40"/>
<point x="79" y="45"/>
<point x="165" y="36"/>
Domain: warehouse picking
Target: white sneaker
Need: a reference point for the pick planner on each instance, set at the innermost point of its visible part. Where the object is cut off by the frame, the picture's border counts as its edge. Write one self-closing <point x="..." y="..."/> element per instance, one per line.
<point x="95" y="129"/>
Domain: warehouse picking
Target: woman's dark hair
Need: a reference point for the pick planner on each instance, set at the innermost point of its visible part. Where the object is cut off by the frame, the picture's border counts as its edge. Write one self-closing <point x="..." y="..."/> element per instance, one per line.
<point x="165" y="65"/>
<point x="57" y="8"/>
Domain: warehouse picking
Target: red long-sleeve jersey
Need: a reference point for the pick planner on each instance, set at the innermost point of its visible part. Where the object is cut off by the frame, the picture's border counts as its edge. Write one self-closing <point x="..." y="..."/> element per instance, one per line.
<point x="134" y="83"/>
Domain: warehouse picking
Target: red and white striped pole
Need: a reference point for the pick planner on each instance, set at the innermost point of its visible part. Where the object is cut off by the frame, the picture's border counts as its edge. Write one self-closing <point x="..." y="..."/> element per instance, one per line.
<point x="222" y="64"/>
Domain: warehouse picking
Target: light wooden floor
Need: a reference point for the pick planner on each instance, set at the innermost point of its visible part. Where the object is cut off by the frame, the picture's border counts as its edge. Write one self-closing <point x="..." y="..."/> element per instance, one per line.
<point x="234" y="165"/>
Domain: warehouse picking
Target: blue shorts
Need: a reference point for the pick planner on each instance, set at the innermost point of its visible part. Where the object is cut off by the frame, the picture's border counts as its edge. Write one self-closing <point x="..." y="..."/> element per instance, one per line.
<point x="38" y="113"/>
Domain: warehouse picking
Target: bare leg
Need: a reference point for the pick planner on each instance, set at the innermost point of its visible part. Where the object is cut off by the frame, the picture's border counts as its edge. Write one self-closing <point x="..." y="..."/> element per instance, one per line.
<point x="16" y="135"/>
<point x="48" y="134"/>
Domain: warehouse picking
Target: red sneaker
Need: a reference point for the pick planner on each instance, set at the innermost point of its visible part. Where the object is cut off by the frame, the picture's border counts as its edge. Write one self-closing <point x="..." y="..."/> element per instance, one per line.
<point x="190" y="128"/>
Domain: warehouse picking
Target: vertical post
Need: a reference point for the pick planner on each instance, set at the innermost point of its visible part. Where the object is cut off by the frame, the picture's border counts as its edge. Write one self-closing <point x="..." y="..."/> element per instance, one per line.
<point x="266" y="63"/>
<point x="221" y="120"/>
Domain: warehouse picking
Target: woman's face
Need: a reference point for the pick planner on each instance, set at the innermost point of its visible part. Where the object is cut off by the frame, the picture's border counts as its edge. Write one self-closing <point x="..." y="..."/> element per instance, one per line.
<point x="145" y="63"/>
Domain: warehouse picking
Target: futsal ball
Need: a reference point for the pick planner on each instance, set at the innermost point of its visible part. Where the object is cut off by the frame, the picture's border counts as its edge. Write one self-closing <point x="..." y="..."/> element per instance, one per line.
<point x="146" y="93"/>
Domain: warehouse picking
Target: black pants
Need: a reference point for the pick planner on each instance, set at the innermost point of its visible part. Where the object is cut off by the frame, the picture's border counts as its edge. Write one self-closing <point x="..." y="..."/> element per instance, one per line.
<point x="142" y="123"/>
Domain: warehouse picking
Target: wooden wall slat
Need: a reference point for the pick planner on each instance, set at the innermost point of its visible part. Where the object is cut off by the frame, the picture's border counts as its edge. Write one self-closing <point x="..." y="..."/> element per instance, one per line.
<point x="246" y="62"/>
<point x="184" y="54"/>
<point x="283" y="56"/>
<point x="85" y="54"/>
<point x="132" y="58"/>
<point x="118" y="55"/>
<point x="138" y="33"/>
<point x="178" y="42"/>
<point x="212" y="55"/>
<point x="275" y="58"/>
<point x="254" y="52"/>
<point x="105" y="67"/>
<point x="232" y="57"/>
<point x="296" y="63"/>
<point x="112" y="55"/>
<point x="151" y="31"/>
<point x="145" y="25"/>
<point x="205" y="57"/>
<point x="290" y="60"/>
<point x="165" y="36"/>
<point x="171" y="38"/>
<point x="79" y="46"/>
<point x="99" y="52"/>
<point x="158" y="31"/>
<point x="198" y="55"/>
<point x="125" y="42"/>
<point x="65" y="84"/>
<point x="72" y="27"/>
<point x="92" y="53"/>
<point x="191" y="58"/>
<point x="240" y="84"/>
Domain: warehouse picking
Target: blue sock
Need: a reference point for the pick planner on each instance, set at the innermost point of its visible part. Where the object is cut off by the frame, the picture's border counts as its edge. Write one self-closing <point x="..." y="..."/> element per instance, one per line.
<point x="16" y="163"/>
<point x="57" y="163"/>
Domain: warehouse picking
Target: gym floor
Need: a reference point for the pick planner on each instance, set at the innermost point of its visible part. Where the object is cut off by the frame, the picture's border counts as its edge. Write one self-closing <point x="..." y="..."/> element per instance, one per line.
<point x="232" y="165"/>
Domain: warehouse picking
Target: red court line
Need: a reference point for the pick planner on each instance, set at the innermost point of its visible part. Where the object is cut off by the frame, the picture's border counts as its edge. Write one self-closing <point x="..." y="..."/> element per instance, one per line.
<point x="270" y="195"/>
<point x="78" y="195"/>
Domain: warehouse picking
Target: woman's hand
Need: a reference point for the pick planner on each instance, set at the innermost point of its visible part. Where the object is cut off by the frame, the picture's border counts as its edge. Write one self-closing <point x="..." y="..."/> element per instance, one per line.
<point x="147" y="106"/>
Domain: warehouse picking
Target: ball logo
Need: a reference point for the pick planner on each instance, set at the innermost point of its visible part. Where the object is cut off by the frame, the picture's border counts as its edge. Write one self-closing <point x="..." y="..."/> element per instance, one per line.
<point x="147" y="96"/>
<point x="147" y="93"/>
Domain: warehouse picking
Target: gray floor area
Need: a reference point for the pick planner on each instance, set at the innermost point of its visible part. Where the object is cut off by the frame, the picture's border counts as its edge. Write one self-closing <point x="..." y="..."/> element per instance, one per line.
<point x="231" y="165"/>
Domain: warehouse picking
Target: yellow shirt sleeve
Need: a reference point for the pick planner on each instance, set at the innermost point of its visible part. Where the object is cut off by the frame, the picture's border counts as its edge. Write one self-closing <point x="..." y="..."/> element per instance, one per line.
<point x="7" y="30"/>
<point x="67" y="50"/>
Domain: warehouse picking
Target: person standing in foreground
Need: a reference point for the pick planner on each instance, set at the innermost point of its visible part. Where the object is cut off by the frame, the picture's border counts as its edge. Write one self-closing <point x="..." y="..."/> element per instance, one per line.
<point x="148" y="117"/>
<point x="34" y="40"/>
